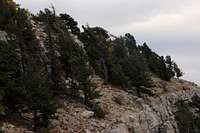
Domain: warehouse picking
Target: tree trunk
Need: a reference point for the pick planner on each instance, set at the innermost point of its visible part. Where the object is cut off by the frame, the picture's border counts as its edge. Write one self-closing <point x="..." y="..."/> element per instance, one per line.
<point x="35" y="120"/>
<point x="105" y="71"/>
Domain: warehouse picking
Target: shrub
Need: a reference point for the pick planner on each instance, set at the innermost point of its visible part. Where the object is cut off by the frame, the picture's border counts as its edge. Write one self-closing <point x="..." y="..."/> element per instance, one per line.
<point x="187" y="121"/>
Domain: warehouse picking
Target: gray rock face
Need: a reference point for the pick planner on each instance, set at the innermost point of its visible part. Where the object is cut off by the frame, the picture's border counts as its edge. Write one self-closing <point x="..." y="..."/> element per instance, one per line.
<point x="121" y="128"/>
<point x="157" y="116"/>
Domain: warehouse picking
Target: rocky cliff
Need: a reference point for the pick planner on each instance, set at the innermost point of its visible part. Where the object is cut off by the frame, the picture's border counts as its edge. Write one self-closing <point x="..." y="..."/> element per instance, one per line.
<point x="157" y="116"/>
<point x="129" y="114"/>
<point x="125" y="113"/>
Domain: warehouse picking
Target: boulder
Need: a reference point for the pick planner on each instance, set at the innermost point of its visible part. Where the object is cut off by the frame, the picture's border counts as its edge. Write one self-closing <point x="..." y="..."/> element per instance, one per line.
<point x="3" y="36"/>
<point x="120" y="128"/>
<point x="87" y="114"/>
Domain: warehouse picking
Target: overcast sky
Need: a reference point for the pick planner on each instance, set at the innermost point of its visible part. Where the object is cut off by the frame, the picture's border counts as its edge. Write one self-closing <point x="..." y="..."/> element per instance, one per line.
<point x="170" y="27"/>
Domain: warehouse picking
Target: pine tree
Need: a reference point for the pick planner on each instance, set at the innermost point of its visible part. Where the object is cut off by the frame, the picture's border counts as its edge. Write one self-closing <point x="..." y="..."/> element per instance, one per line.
<point x="8" y="9"/>
<point x="163" y="68"/>
<point x="177" y="70"/>
<point x="170" y="67"/>
<point x="169" y="62"/>
<point x="77" y="67"/>
<point x="70" y="23"/>
<point x="98" y="50"/>
<point x="39" y="99"/>
<point x="72" y="62"/>
<point x="10" y="77"/>
<point x="131" y="60"/>
<point x="37" y="94"/>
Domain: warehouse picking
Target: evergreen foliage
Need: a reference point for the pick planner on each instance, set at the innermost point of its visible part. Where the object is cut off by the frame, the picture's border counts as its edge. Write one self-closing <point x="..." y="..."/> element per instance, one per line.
<point x="24" y="87"/>
<point x="118" y="62"/>
<point x="123" y="63"/>
<point x="98" y="50"/>
<point x="9" y="76"/>
<point x="177" y="71"/>
<point x="132" y="62"/>
<point x="70" y="23"/>
<point x="73" y="59"/>
<point x="163" y="68"/>
<point x="8" y="9"/>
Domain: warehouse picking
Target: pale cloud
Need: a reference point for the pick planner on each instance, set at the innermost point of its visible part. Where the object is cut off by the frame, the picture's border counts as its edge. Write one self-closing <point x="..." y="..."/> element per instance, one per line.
<point x="186" y="20"/>
<point x="108" y="12"/>
<point x="191" y="64"/>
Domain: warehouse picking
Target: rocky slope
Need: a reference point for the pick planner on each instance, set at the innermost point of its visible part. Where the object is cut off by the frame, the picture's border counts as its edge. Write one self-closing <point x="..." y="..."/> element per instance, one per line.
<point x="128" y="114"/>
<point x="125" y="112"/>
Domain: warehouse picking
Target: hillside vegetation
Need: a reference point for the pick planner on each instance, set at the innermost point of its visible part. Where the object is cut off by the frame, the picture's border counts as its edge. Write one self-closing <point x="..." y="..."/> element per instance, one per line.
<point x="47" y="57"/>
